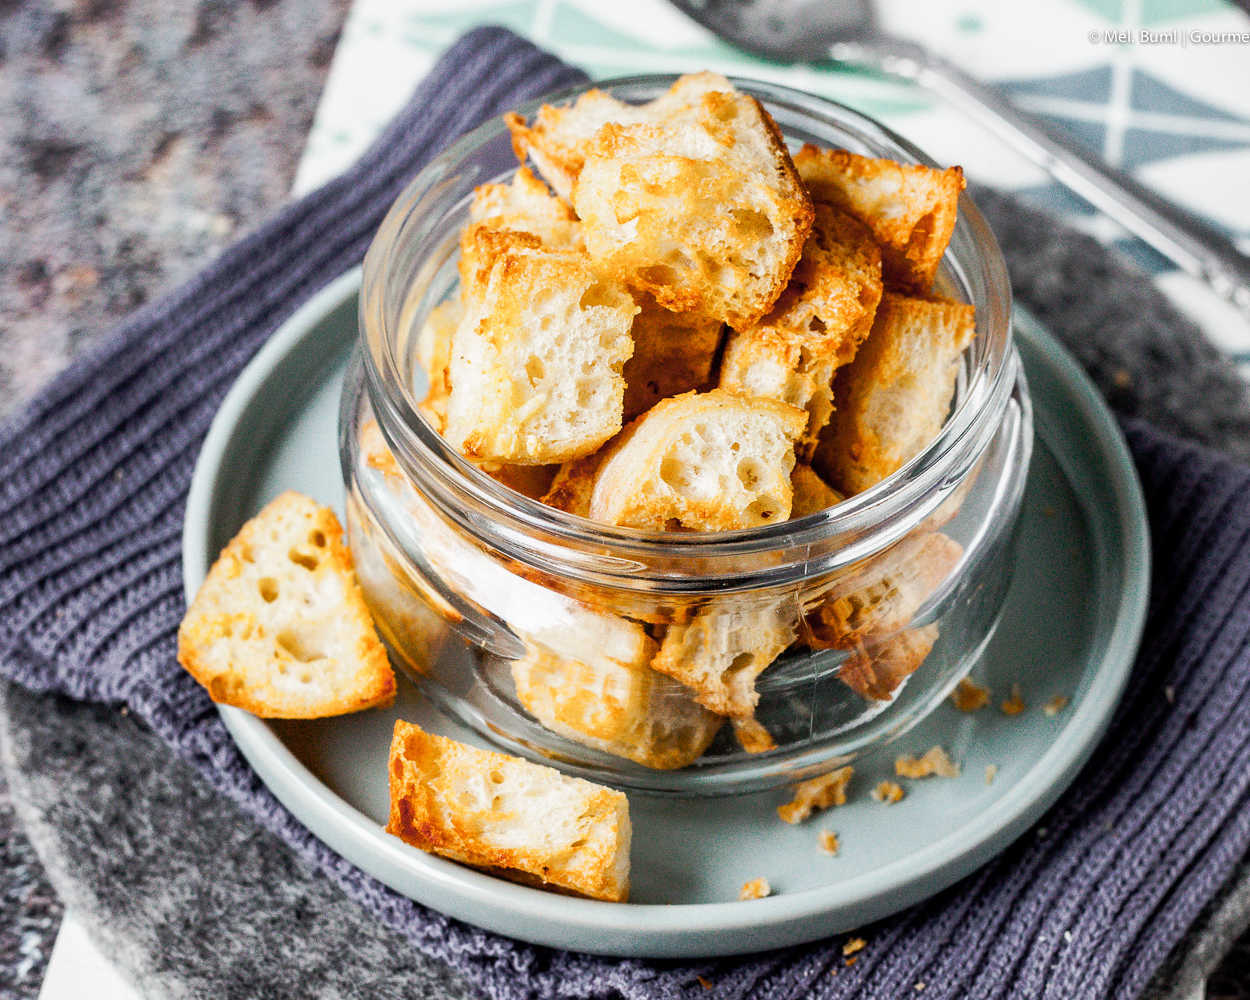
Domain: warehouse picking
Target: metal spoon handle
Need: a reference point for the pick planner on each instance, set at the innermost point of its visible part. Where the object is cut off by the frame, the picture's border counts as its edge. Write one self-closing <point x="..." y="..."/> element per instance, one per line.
<point x="1193" y="245"/>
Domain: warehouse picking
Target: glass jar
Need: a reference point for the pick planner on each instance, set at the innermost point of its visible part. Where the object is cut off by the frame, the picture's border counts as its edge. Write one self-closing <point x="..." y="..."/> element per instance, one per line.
<point x="538" y="629"/>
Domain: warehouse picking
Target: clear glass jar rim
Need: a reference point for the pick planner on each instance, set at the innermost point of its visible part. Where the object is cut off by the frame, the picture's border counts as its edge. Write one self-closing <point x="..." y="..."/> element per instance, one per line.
<point x="883" y="512"/>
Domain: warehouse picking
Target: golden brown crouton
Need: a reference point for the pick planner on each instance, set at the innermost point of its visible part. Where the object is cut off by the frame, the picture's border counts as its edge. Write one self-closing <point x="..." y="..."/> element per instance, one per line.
<point x="722" y="651"/>
<point x="811" y="493"/>
<point x="620" y="707"/>
<point x="878" y="666"/>
<point x="525" y="205"/>
<point x="536" y="362"/>
<point x="434" y="356"/>
<point x="909" y="208"/>
<point x="516" y="819"/>
<point x="279" y="626"/>
<point x="892" y="400"/>
<point x="885" y="593"/>
<point x="712" y="461"/>
<point x="698" y="205"/>
<point x="673" y="354"/>
<point x="815" y="327"/>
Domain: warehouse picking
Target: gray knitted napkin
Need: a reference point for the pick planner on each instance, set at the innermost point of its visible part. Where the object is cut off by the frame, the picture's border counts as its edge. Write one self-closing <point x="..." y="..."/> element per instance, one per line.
<point x="93" y="478"/>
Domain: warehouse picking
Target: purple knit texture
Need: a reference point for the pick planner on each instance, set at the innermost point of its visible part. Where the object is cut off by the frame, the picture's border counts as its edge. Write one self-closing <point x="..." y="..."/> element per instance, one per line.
<point x="93" y="481"/>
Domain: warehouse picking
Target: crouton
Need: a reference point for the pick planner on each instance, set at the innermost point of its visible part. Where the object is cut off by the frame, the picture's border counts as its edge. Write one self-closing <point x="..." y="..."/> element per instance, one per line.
<point x="516" y="819"/>
<point x="434" y="357"/>
<point x="878" y="666"/>
<point x="622" y="708"/>
<point x="556" y="140"/>
<point x="536" y="363"/>
<point x="815" y="327"/>
<point x="894" y="397"/>
<point x="574" y="482"/>
<point x="279" y="626"/>
<point x="884" y="594"/>
<point x="722" y="651"/>
<point x="909" y="208"/>
<point x="698" y="205"/>
<point x="711" y="461"/>
<point x="673" y="354"/>
<point x="811" y="493"/>
<point x="525" y="205"/>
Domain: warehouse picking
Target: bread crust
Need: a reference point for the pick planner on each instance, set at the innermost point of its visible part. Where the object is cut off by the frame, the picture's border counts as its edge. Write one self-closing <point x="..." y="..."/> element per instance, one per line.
<point x="910" y="208"/>
<point x="536" y="363"/>
<point x="815" y="327"/>
<point x="497" y="812"/>
<point x="673" y="353"/>
<point x="712" y="461"/>
<point x="698" y="203"/>
<point x="877" y="668"/>
<point x="279" y="627"/>
<point x="893" y="398"/>
<point x="811" y="493"/>
<point x="622" y="708"/>
<point x="723" y="650"/>
<point x="884" y="594"/>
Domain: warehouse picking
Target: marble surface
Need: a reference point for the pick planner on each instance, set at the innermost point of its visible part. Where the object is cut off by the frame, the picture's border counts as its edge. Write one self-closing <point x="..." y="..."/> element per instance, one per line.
<point x="140" y="137"/>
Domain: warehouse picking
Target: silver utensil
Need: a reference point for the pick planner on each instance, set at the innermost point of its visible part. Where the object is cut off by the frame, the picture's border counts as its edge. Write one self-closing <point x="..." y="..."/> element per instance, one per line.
<point x="846" y="31"/>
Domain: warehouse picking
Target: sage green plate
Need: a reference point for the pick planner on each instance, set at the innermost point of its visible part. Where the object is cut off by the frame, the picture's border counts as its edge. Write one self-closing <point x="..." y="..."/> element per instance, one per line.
<point x="1071" y="627"/>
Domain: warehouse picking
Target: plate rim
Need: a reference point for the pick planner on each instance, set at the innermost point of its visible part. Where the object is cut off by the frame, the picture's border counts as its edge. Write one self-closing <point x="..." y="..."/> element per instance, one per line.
<point x="681" y="930"/>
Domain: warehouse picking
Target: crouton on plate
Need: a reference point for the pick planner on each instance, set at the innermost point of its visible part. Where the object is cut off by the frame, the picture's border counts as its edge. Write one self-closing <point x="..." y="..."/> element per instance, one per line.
<point x="523" y="821"/>
<point x="279" y="626"/>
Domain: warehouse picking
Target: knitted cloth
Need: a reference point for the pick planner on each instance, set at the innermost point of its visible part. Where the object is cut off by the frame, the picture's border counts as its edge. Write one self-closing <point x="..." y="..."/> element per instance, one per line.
<point x="93" y="479"/>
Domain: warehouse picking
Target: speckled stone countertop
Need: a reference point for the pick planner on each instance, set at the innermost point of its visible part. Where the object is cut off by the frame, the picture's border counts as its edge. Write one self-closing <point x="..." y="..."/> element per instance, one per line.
<point x="140" y="137"/>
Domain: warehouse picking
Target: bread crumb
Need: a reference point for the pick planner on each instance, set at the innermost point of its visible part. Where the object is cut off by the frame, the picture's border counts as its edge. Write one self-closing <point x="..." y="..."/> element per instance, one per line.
<point x="919" y="987"/>
<point x="888" y="792"/>
<point x="1015" y="704"/>
<point x="991" y="770"/>
<point x="817" y="793"/>
<point x="757" y="888"/>
<point x="829" y="842"/>
<point x="853" y="945"/>
<point x="1056" y="705"/>
<point x="969" y="696"/>
<point x="705" y="983"/>
<point x="935" y="761"/>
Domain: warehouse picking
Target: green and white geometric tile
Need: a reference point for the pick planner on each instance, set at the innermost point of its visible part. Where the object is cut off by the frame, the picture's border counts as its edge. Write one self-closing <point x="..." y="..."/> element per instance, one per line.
<point x="1174" y="113"/>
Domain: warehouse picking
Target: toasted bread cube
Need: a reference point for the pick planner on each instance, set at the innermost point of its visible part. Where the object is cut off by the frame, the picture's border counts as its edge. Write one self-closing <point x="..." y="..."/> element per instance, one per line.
<point x="910" y="208"/>
<point x="519" y="820"/>
<point x="894" y="397"/>
<point x="877" y="668"/>
<point x="434" y="356"/>
<point x="279" y="626"/>
<point x="557" y="138"/>
<point x="536" y="362"/>
<point x="701" y="206"/>
<point x="525" y="205"/>
<point x="622" y="708"/>
<point x="673" y="353"/>
<point x="722" y="651"/>
<point x="885" y="594"/>
<point x="815" y="327"/>
<point x="712" y="461"/>
<point x="574" y="483"/>
<point x="811" y="493"/>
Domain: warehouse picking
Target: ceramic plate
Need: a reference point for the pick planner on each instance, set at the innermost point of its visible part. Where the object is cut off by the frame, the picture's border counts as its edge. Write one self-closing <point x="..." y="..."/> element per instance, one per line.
<point x="1071" y="628"/>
